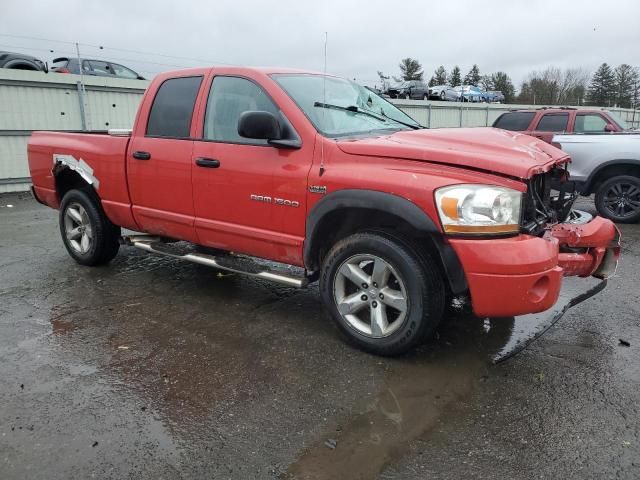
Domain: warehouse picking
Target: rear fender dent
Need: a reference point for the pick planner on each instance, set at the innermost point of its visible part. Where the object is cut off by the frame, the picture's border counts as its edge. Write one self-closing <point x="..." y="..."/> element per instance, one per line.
<point x="81" y="167"/>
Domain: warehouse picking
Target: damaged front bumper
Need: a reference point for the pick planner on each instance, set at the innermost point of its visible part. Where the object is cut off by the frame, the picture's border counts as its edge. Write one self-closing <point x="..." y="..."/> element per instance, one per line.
<point x="523" y="274"/>
<point x="586" y="248"/>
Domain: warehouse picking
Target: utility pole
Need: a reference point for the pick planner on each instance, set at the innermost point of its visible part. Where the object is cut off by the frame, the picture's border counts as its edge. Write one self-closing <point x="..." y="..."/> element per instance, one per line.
<point x="82" y="93"/>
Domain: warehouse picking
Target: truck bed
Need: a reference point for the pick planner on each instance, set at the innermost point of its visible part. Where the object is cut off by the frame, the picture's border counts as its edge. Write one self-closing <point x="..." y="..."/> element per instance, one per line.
<point x="97" y="156"/>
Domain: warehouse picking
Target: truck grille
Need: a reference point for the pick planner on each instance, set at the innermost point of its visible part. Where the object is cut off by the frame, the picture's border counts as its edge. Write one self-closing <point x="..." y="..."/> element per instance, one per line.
<point x="549" y="199"/>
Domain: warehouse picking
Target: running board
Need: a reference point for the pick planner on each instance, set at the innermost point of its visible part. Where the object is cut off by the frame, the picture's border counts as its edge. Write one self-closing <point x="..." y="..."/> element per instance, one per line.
<point x="231" y="263"/>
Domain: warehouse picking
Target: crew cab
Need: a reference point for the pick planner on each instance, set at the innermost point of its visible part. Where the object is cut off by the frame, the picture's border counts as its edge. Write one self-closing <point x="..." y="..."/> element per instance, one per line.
<point x="544" y="123"/>
<point x="238" y="168"/>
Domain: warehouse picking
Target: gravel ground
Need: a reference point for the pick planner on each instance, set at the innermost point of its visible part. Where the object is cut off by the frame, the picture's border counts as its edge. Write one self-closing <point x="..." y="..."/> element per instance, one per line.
<point x="150" y="368"/>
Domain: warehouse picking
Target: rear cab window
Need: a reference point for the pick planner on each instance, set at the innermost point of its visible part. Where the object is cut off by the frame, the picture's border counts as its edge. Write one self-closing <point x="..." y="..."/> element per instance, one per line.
<point x="514" y="121"/>
<point x="172" y="108"/>
<point x="553" y="122"/>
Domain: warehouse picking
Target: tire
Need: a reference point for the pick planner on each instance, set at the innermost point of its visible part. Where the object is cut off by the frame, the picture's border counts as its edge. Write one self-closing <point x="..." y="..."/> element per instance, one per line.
<point x="407" y="281"/>
<point x="425" y="97"/>
<point x="88" y="235"/>
<point x="618" y="199"/>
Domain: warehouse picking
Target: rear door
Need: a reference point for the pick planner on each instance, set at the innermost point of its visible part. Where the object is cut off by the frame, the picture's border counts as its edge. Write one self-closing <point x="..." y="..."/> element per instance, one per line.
<point x="549" y="124"/>
<point x="159" y="161"/>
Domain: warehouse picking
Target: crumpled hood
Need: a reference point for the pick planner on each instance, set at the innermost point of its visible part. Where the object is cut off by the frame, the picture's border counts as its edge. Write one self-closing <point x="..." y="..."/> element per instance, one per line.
<point x="489" y="149"/>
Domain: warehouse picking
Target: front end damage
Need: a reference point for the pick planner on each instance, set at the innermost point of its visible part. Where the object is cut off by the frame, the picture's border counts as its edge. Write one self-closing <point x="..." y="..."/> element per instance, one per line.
<point x="561" y="258"/>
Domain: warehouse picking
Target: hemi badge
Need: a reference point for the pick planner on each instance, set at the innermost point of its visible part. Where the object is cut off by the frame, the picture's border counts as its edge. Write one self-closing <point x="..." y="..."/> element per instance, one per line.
<point x="322" y="189"/>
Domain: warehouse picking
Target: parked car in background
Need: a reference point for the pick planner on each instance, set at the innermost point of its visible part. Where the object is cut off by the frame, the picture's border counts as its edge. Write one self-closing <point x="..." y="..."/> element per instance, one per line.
<point x="544" y="123"/>
<point x="443" y="92"/>
<point x="413" y="89"/>
<point x="493" y="96"/>
<point x="100" y="68"/>
<point x="468" y="93"/>
<point x="498" y="96"/>
<point x="607" y="166"/>
<point x="20" y="61"/>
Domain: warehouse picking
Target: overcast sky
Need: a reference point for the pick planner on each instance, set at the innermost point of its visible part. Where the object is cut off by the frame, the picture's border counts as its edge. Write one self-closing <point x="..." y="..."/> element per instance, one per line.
<point x="511" y="35"/>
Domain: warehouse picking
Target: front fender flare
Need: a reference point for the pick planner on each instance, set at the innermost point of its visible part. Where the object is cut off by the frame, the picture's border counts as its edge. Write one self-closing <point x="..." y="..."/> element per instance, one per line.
<point x="391" y="204"/>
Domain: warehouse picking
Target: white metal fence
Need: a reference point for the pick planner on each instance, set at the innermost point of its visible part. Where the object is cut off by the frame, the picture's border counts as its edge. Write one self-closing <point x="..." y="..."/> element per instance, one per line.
<point x="37" y="101"/>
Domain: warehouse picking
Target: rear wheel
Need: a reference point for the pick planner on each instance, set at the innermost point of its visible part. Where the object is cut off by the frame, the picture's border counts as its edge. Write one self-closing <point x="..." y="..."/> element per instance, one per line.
<point x="381" y="294"/>
<point x="618" y="199"/>
<point x="88" y="235"/>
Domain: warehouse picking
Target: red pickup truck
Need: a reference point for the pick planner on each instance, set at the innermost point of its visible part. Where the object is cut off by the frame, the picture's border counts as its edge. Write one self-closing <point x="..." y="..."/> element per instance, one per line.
<point x="319" y="173"/>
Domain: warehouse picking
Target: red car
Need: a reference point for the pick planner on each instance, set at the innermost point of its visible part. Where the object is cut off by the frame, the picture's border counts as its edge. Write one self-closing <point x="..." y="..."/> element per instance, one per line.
<point x="544" y="123"/>
<point x="319" y="173"/>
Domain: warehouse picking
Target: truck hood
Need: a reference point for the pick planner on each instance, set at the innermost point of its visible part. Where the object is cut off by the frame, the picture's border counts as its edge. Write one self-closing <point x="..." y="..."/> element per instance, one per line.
<point x="488" y="149"/>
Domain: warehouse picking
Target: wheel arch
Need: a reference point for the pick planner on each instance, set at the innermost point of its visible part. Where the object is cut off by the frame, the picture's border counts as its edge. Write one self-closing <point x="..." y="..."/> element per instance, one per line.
<point x="609" y="169"/>
<point x="348" y="211"/>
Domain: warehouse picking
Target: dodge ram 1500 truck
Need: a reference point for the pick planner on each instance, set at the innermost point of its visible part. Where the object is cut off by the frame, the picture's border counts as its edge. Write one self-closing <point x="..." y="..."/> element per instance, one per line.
<point x="226" y="165"/>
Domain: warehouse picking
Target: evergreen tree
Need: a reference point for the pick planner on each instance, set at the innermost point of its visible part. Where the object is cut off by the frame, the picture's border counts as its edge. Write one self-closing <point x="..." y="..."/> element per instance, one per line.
<point x="455" y="78"/>
<point x="473" y="77"/>
<point x="502" y="82"/>
<point x="626" y="78"/>
<point x="439" y="76"/>
<point x="602" y="89"/>
<point x="410" y="69"/>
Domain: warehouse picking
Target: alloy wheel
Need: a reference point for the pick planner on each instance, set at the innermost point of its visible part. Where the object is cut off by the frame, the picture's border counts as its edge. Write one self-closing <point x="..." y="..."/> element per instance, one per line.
<point x="77" y="226"/>
<point x="370" y="295"/>
<point x="622" y="200"/>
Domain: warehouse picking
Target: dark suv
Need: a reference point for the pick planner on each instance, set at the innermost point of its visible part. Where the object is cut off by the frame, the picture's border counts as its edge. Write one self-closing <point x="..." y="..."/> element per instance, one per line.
<point x="413" y="89"/>
<point x="100" y="68"/>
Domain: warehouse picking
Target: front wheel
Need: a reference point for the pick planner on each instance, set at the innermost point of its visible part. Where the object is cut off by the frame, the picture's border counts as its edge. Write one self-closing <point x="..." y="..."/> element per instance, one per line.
<point x="618" y="199"/>
<point x="382" y="295"/>
<point x="87" y="233"/>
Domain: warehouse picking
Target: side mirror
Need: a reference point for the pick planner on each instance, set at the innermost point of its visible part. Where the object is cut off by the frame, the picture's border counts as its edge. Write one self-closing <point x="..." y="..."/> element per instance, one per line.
<point x="259" y="125"/>
<point x="609" y="128"/>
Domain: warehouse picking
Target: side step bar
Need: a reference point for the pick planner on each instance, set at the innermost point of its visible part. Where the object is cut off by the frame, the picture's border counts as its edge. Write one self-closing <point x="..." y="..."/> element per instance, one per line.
<point x="225" y="262"/>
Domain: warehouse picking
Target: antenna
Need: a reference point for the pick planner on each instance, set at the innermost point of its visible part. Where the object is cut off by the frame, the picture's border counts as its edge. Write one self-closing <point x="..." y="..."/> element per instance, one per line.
<point x="324" y="100"/>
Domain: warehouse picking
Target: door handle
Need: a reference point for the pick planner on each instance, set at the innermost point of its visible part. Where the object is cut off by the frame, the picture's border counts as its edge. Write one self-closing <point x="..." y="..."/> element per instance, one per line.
<point x="141" y="155"/>
<point x="207" y="162"/>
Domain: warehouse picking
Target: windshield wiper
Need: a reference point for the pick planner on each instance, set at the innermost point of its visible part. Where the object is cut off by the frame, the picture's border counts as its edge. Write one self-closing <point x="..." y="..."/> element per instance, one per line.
<point x="417" y="126"/>
<point x="350" y="108"/>
<point x="355" y="109"/>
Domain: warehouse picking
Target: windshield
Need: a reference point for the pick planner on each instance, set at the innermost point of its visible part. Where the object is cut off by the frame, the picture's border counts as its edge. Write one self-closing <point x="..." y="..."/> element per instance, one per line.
<point x="339" y="107"/>
<point x="616" y="118"/>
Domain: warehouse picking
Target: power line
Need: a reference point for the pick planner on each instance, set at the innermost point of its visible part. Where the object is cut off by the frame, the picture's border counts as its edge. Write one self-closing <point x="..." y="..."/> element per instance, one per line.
<point x="140" y="52"/>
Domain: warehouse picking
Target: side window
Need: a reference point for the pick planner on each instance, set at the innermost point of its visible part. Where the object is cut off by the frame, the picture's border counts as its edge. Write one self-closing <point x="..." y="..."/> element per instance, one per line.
<point x="552" y="122"/>
<point x="86" y="67"/>
<point x="124" y="72"/>
<point x="590" y="123"/>
<point x="100" y="67"/>
<point x="515" y="121"/>
<point x="229" y="98"/>
<point x="172" y="108"/>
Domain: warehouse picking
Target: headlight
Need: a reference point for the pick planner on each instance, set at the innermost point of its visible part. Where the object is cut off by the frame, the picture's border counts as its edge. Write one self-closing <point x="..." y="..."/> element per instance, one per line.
<point x="479" y="209"/>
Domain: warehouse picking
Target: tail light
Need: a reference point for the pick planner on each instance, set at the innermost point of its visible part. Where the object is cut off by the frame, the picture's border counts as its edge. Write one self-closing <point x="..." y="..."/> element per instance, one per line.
<point x="62" y="70"/>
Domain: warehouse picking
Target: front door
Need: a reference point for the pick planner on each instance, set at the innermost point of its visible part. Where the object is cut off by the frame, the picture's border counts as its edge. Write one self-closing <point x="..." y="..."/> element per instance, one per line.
<point x="159" y="163"/>
<point x="249" y="196"/>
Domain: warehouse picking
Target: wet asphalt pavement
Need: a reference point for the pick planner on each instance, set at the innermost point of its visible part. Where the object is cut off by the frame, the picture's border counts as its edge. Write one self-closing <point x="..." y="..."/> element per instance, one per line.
<point x="151" y="368"/>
